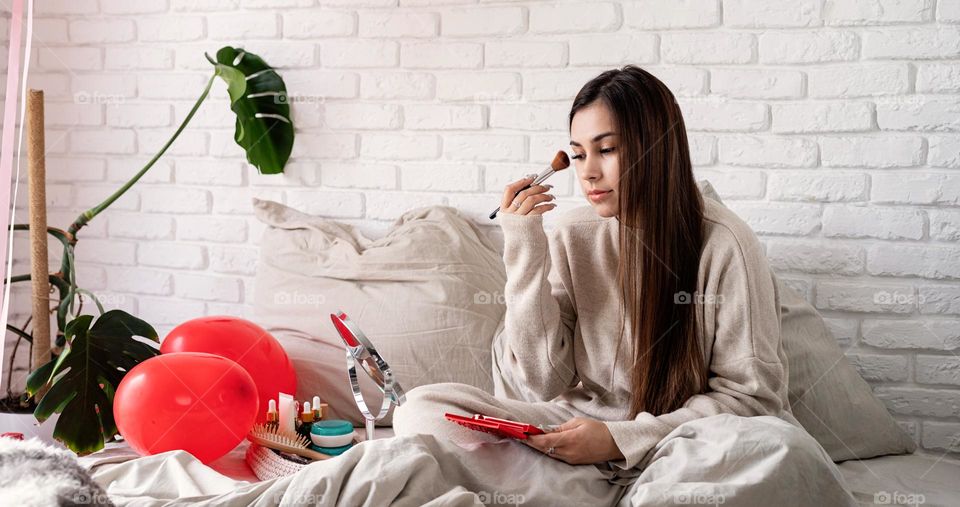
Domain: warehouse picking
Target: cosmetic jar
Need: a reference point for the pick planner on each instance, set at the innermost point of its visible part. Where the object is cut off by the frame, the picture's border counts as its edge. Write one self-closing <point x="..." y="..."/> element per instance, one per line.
<point x="332" y="451"/>
<point x="331" y="433"/>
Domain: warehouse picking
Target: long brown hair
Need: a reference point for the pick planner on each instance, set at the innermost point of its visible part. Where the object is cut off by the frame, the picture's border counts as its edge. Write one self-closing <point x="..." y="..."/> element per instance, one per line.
<point x="661" y="237"/>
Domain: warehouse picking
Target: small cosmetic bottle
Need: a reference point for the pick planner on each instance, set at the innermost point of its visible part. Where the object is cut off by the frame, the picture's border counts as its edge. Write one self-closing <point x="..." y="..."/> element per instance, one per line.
<point x="287" y="414"/>
<point x="316" y="409"/>
<point x="272" y="418"/>
<point x="306" y="420"/>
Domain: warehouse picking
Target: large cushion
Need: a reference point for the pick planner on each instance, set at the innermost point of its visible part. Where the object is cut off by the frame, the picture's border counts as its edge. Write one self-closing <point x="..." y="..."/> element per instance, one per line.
<point x="827" y="395"/>
<point x="428" y="295"/>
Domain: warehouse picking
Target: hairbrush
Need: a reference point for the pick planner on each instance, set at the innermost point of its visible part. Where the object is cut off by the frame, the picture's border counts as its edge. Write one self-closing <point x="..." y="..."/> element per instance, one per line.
<point x="283" y="441"/>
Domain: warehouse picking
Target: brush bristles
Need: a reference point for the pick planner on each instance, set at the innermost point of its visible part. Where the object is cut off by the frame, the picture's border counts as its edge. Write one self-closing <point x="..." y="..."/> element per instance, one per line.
<point x="560" y="161"/>
<point x="278" y="436"/>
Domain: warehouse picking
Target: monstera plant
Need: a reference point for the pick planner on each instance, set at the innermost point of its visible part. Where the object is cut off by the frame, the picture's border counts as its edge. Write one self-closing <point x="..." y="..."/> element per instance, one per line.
<point x="95" y="353"/>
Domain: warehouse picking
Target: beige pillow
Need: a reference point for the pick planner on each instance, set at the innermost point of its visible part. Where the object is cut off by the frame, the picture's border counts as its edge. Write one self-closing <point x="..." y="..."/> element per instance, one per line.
<point x="827" y="395"/>
<point x="428" y="295"/>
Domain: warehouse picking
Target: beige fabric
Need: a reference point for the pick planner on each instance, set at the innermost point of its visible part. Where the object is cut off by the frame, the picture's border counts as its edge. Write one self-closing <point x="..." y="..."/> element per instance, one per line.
<point x="827" y="394"/>
<point x="722" y="459"/>
<point x="729" y="460"/>
<point x="428" y="295"/>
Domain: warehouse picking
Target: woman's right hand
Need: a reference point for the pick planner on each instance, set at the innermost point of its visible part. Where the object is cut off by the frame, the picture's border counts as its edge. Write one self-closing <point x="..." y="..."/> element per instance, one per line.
<point x="532" y="201"/>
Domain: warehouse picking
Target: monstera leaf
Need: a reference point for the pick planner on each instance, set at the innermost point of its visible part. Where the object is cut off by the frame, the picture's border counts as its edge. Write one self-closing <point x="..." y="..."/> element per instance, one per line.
<point x="259" y="99"/>
<point x="84" y="376"/>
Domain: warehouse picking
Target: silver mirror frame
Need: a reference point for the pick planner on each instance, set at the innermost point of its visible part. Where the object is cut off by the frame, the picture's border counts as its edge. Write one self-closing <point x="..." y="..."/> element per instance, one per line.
<point x="361" y="350"/>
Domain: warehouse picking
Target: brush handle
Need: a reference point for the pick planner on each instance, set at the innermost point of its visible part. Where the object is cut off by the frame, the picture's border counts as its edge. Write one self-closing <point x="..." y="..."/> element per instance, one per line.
<point x="538" y="180"/>
<point x="299" y="451"/>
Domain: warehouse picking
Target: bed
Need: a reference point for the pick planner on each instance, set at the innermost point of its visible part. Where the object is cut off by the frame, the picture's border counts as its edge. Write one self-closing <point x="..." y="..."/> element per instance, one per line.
<point x="922" y="478"/>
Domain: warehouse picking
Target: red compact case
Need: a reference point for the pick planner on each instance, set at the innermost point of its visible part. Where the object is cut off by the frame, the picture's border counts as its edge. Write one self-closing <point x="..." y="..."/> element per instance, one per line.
<point x="499" y="427"/>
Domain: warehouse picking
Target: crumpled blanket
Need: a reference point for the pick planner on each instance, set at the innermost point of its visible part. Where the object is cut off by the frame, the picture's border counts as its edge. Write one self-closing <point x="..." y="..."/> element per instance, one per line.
<point x="721" y="459"/>
<point x="402" y="470"/>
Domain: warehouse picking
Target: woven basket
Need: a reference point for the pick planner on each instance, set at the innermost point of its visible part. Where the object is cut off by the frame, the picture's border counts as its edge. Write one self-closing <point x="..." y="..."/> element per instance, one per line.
<point x="267" y="464"/>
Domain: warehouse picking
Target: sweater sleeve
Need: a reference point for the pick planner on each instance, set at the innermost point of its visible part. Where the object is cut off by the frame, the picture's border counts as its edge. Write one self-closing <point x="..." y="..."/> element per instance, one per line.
<point x="534" y="353"/>
<point x="746" y="375"/>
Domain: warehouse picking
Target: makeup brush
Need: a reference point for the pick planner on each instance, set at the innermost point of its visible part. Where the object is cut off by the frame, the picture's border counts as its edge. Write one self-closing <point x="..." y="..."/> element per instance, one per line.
<point x="560" y="162"/>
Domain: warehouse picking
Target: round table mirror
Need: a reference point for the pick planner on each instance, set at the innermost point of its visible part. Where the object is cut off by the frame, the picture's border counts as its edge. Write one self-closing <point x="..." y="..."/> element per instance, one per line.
<point x="360" y="350"/>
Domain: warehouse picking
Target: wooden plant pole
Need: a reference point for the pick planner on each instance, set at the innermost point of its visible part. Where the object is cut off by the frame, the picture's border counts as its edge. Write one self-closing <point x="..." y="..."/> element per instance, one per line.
<point x="39" y="267"/>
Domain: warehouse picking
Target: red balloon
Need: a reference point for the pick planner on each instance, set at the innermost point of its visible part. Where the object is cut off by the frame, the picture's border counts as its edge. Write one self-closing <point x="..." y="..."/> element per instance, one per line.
<point x="248" y="344"/>
<point x="202" y="403"/>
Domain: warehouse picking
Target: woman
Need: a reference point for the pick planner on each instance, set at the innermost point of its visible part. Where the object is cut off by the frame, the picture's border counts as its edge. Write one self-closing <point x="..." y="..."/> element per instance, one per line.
<point x="647" y="325"/>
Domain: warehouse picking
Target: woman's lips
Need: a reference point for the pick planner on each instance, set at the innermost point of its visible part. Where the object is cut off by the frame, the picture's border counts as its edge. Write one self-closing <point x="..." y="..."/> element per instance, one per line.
<point x="597" y="197"/>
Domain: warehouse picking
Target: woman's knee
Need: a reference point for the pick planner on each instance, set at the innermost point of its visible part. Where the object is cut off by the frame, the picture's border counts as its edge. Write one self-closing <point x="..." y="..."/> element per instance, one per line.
<point x="795" y="442"/>
<point x="444" y="393"/>
<point x="416" y="403"/>
<point x="425" y="406"/>
<point x="768" y="435"/>
<point x="805" y="460"/>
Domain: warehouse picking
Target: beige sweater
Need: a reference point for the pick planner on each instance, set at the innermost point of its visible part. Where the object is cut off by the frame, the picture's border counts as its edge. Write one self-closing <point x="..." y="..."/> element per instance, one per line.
<point x="563" y="316"/>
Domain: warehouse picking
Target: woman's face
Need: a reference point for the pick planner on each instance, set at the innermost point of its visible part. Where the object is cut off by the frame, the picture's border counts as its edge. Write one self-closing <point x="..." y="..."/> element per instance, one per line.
<point x="594" y="142"/>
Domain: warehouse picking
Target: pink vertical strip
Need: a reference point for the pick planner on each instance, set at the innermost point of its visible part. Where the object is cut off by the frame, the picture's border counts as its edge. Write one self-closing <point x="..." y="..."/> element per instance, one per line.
<point x="6" y="138"/>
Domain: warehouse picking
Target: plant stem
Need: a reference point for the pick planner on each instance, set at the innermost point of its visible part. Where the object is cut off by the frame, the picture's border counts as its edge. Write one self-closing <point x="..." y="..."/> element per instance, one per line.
<point x="53" y="231"/>
<point x="88" y="215"/>
<point x="21" y="334"/>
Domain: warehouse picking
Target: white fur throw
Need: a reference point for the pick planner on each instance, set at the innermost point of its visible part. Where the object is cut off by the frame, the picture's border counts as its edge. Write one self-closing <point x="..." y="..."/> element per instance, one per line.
<point x="33" y="473"/>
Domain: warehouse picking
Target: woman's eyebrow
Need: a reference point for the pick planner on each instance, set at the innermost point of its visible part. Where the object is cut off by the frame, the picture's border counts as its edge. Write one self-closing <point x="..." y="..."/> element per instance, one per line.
<point x="595" y="138"/>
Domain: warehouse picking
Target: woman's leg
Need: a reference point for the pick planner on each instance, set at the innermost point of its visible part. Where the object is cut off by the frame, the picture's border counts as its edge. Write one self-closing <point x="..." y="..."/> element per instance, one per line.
<point x="731" y="460"/>
<point x="501" y="470"/>
<point x="426" y="405"/>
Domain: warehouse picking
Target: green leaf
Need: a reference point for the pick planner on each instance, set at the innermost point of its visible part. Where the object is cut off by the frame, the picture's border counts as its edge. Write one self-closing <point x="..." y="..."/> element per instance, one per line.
<point x="39" y="377"/>
<point x="258" y="96"/>
<point x="97" y="354"/>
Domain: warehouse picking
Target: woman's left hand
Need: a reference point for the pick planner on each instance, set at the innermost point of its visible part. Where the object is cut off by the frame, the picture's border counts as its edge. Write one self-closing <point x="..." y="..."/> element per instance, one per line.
<point x="579" y="441"/>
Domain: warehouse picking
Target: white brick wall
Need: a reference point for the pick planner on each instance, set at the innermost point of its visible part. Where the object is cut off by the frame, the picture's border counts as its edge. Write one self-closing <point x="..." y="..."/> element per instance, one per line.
<point x="832" y="126"/>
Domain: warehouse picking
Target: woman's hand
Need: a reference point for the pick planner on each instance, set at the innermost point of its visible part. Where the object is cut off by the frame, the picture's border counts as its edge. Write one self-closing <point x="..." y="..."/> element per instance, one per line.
<point x="579" y="441"/>
<point x="526" y="203"/>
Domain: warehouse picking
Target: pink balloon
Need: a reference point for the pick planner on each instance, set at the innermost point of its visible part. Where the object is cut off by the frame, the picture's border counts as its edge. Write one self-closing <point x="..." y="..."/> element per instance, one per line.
<point x="251" y="346"/>
<point x="201" y="403"/>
